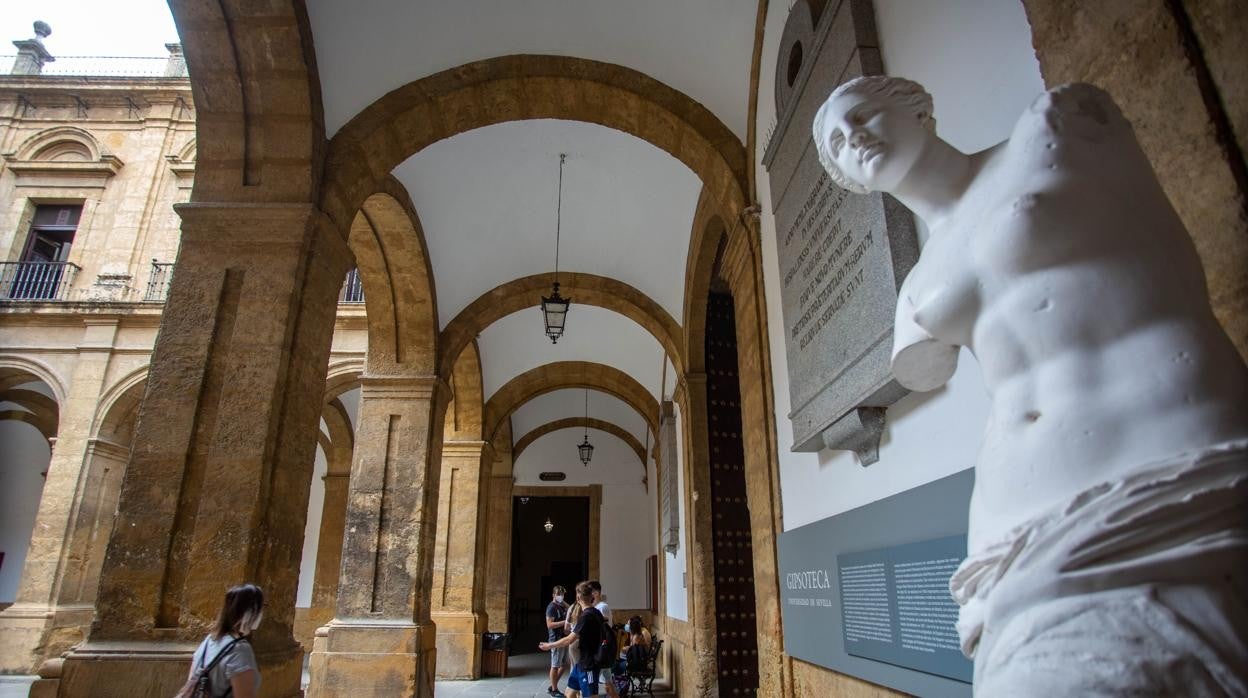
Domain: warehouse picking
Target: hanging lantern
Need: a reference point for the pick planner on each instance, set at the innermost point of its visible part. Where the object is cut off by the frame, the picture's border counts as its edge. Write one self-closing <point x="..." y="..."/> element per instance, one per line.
<point x="555" y="306"/>
<point x="586" y="449"/>
<point x="548" y="525"/>
<point x="555" y="312"/>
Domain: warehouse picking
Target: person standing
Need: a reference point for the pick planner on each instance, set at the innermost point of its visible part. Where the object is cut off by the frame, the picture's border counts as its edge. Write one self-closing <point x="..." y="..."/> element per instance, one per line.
<point x="600" y="603"/>
<point x="226" y="655"/>
<point x="587" y="634"/>
<point x="556" y="617"/>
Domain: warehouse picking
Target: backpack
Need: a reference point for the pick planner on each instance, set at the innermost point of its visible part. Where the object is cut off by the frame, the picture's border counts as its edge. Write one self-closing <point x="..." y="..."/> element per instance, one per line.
<point x="609" y="648"/>
<point x="199" y="685"/>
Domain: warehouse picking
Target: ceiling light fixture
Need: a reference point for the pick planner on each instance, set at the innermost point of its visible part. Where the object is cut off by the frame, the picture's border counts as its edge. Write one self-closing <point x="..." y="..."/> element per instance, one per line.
<point x="548" y="525"/>
<point x="554" y="306"/>
<point x="586" y="449"/>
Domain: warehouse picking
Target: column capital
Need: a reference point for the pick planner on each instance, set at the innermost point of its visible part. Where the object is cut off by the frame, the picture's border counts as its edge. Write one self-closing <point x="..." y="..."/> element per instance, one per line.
<point x="401" y="387"/>
<point x="245" y="223"/>
<point x="470" y="449"/>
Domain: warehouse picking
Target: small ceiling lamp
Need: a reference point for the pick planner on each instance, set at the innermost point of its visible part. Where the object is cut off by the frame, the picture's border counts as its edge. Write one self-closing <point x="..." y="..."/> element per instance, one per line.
<point x="548" y="525"/>
<point x="586" y="449"/>
<point x="555" y="306"/>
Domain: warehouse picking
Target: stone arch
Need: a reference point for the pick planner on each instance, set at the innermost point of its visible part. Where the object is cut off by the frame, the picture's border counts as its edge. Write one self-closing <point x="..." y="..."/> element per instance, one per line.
<point x="257" y="97"/>
<point x="61" y="143"/>
<point x="513" y="88"/>
<point x="465" y="412"/>
<point x="342" y="376"/>
<point x="586" y="289"/>
<point x="569" y="374"/>
<point x="390" y="252"/>
<point x="37" y="410"/>
<point x="708" y="235"/>
<point x="119" y="407"/>
<point x="16" y="370"/>
<point x="576" y="423"/>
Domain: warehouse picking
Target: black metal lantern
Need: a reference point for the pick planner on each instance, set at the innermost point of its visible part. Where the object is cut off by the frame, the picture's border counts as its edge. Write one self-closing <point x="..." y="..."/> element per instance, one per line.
<point x="555" y="306"/>
<point x="555" y="313"/>
<point x="586" y="449"/>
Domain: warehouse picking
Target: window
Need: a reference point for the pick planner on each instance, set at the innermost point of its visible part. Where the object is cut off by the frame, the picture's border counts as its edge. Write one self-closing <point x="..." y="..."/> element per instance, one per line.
<point x="44" y="272"/>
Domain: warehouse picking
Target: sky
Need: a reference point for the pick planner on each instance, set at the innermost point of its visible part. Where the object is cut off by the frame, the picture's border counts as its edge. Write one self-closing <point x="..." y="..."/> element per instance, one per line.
<point x="91" y="27"/>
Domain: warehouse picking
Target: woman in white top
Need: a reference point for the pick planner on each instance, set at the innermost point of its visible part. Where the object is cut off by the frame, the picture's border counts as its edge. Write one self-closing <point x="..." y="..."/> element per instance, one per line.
<point x="236" y="673"/>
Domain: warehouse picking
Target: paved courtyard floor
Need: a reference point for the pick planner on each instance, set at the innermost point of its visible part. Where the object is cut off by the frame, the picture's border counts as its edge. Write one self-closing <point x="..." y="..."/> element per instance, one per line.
<point x="526" y="676"/>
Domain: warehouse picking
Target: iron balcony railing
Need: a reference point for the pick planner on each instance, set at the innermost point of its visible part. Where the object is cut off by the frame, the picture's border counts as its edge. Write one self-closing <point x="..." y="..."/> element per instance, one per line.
<point x="158" y="282"/>
<point x="352" y="289"/>
<point x="36" y="281"/>
<point x="105" y="66"/>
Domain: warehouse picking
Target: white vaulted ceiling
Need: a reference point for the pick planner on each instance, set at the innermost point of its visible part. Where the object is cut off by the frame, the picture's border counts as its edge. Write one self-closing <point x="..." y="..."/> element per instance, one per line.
<point x="365" y="48"/>
<point x="486" y="198"/>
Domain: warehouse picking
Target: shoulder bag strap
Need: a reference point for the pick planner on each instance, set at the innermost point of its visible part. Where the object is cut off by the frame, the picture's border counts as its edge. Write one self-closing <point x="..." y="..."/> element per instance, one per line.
<point x="221" y="655"/>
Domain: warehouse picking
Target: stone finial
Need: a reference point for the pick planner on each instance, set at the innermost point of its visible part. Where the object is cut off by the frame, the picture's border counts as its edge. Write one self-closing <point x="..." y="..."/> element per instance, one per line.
<point x="31" y="53"/>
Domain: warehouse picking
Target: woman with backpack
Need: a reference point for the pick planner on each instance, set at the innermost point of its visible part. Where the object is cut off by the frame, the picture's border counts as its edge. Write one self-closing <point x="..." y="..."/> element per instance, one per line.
<point x="224" y="664"/>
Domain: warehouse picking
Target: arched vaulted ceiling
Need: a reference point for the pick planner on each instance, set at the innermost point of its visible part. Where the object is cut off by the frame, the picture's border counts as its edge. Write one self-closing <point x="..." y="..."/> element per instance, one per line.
<point x="466" y="106"/>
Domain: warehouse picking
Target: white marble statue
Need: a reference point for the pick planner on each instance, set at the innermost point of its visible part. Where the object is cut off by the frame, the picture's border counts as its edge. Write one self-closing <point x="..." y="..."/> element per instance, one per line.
<point x="1108" y="542"/>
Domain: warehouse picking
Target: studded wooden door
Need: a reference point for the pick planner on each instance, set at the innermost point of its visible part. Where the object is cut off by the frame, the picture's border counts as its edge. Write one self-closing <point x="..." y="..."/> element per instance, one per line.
<point x="736" y="643"/>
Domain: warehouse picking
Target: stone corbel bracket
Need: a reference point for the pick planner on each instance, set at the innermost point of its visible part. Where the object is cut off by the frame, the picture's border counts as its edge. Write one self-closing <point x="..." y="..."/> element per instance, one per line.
<point x="859" y="430"/>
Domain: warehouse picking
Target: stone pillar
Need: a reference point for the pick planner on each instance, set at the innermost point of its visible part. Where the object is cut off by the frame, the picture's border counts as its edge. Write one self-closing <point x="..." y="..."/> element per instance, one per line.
<point x="328" y="553"/>
<point x="458" y="604"/>
<point x="29" y="624"/>
<point x="31" y="53"/>
<point x="700" y="555"/>
<point x="498" y="545"/>
<point x="381" y="641"/>
<point x="216" y="489"/>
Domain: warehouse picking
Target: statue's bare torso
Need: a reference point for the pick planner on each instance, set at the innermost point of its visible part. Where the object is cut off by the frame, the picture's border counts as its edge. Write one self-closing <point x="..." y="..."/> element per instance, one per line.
<point x="1067" y="273"/>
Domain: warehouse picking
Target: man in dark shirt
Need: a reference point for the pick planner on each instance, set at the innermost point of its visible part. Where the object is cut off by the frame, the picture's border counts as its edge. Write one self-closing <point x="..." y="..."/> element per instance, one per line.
<point x="588" y="635"/>
<point x="556" y="615"/>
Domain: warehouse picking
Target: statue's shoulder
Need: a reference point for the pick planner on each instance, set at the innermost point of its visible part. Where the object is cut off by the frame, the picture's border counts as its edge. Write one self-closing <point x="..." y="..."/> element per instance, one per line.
<point x="1075" y="110"/>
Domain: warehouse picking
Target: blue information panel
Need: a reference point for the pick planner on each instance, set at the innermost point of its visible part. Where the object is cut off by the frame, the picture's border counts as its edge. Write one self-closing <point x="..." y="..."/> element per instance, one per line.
<point x="896" y="607"/>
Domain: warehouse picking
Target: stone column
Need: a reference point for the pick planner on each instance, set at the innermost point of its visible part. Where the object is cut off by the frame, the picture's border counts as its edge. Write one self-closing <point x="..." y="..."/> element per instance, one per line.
<point x="216" y="489"/>
<point x="29" y="624"/>
<point x="328" y="552"/>
<point x="700" y="555"/>
<point x="458" y="606"/>
<point x="498" y="545"/>
<point x="381" y="641"/>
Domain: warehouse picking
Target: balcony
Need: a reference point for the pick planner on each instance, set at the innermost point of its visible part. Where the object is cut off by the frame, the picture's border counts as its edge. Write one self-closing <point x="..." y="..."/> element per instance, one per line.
<point x="158" y="282"/>
<point x="36" y="281"/>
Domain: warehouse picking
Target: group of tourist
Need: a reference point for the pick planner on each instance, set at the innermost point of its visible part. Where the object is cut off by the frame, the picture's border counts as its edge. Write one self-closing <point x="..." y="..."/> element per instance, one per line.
<point x="577" y="632"/>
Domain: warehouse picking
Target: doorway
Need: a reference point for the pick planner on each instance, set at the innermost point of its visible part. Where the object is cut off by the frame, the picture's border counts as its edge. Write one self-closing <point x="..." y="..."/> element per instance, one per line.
<point x="541" y="559"/>
<point x="735" y="612"/>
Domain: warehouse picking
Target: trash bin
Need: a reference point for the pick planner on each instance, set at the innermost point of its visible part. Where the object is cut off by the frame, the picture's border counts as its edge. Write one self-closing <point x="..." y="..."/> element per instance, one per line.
<point x="494" y="653"/>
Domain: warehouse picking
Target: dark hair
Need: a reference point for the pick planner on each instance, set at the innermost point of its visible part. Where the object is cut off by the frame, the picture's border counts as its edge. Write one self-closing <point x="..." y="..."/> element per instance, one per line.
<point x="634" y="625"/>
<point x="560" y="591"/>
<point x="593" y="584"/>
<point x="242" y="604"/>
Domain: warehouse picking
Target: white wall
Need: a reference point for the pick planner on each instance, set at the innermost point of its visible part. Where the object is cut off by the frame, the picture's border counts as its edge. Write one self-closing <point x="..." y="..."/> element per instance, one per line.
<point x="24" y="457"/>
<point x="677" y="601"/>
<point x="627" y="534"/>
<point x="975" y="57"/>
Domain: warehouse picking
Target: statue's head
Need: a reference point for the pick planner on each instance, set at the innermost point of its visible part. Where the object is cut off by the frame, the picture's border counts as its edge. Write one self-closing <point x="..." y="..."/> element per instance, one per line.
<point x="871" y="131"/>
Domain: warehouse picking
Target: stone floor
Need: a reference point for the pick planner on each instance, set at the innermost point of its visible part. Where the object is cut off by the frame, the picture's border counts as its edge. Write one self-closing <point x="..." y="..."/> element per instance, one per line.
<point x="526" y="676"/>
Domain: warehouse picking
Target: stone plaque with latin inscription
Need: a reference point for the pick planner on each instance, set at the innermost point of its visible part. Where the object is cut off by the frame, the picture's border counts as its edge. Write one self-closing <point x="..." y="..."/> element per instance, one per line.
<point x="842" y="256"/>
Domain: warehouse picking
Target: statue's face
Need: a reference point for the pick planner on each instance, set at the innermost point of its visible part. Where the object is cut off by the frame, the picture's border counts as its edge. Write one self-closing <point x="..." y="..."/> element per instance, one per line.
<point x="873" y="142"/>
